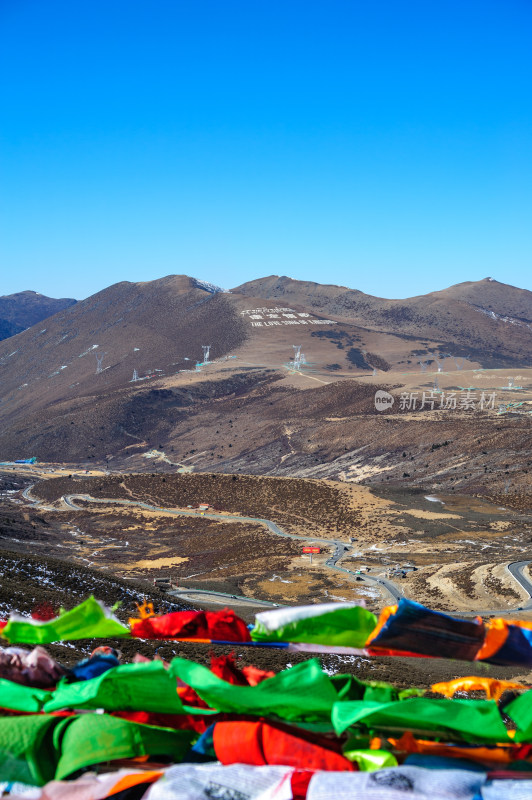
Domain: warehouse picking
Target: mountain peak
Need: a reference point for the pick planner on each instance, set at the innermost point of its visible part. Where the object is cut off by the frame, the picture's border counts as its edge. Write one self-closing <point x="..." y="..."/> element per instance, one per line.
<point x="23" y="309"/>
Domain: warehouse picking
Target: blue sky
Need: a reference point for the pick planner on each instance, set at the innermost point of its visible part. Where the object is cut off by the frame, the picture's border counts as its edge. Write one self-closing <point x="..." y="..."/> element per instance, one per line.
<point x="383" y="146"/>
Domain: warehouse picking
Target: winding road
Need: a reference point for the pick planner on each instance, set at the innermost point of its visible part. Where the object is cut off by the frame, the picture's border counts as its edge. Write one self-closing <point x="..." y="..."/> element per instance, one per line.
<point x="340" y="548"/>
<point x="516" y="571"/>
<point x="515" y="568"/>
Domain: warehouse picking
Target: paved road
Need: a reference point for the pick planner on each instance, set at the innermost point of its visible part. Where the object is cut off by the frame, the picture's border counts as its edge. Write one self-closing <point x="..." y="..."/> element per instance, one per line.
<point x="340" y="548"/>
<point x="516" y="571"/>
<point x="211" y="597"/>
<point x="26" y="494"/>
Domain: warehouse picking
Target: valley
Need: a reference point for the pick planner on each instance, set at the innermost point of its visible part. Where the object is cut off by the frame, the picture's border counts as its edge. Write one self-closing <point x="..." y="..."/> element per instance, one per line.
<point x="376" y="545"/>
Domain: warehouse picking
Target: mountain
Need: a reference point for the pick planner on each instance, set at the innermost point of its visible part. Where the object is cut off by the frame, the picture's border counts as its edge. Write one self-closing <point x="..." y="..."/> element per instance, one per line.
<point x="128" y="326"/>
<point x="24" y="309"/>
<point x="120" y="378"/>
<point x="82" y="363"/>
<point x="489" y="321"/>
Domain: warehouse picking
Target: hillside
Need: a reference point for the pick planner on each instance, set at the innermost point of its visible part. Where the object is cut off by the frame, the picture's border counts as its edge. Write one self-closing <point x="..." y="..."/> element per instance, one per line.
<point x="69" y="395"/>
<point x="486" y="320"/>
<point x="24" y="309"/>
<point x="90" y="350"/>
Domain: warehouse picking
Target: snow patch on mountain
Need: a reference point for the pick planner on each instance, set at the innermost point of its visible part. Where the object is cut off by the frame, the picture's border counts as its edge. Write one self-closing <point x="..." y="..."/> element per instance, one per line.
<point x="209" y="287"/>
<point x="502" y="318"/>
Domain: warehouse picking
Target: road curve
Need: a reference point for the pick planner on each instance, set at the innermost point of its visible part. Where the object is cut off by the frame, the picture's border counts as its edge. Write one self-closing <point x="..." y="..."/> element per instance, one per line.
<point x="515" y="568"/>
<point x="516" y="571"/>
<point x="339" y="547"/>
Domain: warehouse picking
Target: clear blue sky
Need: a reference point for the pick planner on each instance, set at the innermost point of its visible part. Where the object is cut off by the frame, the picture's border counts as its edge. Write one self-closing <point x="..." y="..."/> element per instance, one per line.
<point x="386" y="145"/>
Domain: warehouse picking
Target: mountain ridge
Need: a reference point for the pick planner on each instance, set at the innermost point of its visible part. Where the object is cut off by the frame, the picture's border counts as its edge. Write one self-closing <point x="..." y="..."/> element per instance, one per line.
<point x="446" y="315"/>
<point x="23" y="309"/>
<point x="120" y="377"/>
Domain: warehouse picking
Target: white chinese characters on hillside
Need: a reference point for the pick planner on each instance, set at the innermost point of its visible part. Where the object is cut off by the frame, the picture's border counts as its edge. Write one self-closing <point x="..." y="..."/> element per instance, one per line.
<point x="276" y="317"/>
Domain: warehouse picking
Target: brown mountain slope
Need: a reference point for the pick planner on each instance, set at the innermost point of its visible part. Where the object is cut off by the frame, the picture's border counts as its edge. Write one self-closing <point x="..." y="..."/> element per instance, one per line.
<point x="56" y="404"/>
<point x="491" y="295"/>
<point x="24" y="309"/>
<point x="250" y="410"/>
<point x="150" y="327"/>
<point x="488" y="319"/>
<point x="252" y="422"/>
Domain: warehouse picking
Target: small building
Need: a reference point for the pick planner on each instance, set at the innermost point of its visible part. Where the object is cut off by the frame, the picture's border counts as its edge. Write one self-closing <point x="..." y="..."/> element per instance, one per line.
<point x="203" y="506"/>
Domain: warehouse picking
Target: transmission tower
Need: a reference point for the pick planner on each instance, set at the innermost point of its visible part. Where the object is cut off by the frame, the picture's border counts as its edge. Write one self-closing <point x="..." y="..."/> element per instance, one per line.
<point x="459" y="362"/>
<point x="423" y="365"/>
<point x="439" y="358"/>
<point x="206" y="351"/>
<point x="297" y="356"/>
<point x="135" y="376"/>
<point x="99" y="362"/>
<point x="510" y="384"/>
<point x="198" y="366"/>
<point x="374" y="371"/>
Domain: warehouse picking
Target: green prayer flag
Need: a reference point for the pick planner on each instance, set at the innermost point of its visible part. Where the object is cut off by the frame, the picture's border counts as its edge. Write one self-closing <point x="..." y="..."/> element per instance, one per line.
<point x="89" y="620"/>
<point x="349" y="687"/>
<point x="520" y="711"/>
<point x="474" y="720"/>
<point x="129" y="687"/>
<point x="16" y="697"/>
<point x="340" y="624"/>
<point x="96" y="738"/>
<point x="29" y="751"/>
<point x="40" y="748"/>
<point x="370" y="760"/>
<point x="301" y="692"/>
